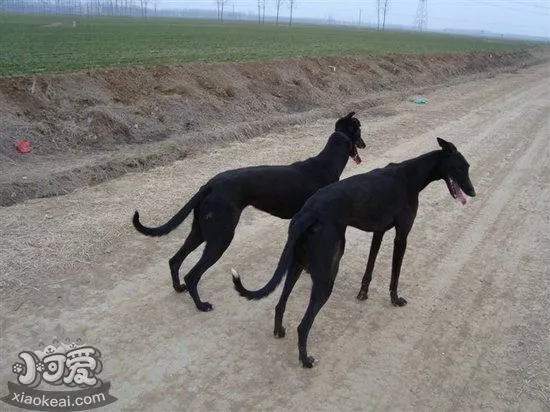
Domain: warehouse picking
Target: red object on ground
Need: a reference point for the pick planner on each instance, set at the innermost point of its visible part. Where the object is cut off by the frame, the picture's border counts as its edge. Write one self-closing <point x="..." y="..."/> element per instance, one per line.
<point x="22" y="145"/>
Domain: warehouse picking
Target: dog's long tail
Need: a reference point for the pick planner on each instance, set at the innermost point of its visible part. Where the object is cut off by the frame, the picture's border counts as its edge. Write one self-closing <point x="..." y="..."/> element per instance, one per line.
<point x="295" y="235"/>
<point x="175" y="221"/>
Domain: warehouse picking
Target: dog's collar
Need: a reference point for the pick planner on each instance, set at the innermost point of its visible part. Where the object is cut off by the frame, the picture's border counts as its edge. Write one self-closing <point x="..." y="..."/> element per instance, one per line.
<point x="345" y="135"/>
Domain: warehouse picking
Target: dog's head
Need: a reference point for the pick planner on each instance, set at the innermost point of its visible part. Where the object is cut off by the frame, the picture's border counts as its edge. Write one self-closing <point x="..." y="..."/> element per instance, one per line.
<point x="351" y="127"/>
<point x="454" y="169"/>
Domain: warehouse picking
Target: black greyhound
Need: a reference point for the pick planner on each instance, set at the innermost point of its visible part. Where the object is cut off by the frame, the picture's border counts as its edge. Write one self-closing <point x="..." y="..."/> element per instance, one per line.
<point x="278" y="190"/>
<point x="374" y="202"/>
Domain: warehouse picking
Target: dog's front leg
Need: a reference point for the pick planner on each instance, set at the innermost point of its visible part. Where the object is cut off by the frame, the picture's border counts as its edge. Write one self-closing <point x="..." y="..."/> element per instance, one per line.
<point x="367" y="277"/>
<point x="399" y="246"/>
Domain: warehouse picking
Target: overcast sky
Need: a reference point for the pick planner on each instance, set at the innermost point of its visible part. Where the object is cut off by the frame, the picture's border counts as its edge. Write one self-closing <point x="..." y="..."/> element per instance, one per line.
<point x="526" y="17"/>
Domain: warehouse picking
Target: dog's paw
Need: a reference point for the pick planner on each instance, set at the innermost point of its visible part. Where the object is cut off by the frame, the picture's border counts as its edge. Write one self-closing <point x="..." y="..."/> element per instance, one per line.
<point x="399" y="301"/>
<point x="205" y="307"/>
<point x="308" y="362"/>
<point x="363" y="295"/>
<point x="279" y="333"/>
<point x="180" y="288"/>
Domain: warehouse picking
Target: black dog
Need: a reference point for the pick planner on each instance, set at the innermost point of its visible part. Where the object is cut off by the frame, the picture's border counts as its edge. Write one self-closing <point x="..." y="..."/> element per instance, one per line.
<point x="278" y="190"/>
<point x="374" y="202"/>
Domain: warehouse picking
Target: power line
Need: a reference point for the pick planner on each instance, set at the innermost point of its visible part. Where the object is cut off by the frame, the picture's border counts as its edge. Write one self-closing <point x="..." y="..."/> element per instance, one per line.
<point x="500" y="6"/>
<point x="529" y="4"/>
<point x="453" y="20"/>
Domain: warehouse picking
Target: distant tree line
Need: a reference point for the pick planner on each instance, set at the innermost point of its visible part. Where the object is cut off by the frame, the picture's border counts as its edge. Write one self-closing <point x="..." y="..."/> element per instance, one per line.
<point x="79" y="7"/>
<point x="135" y="8"/>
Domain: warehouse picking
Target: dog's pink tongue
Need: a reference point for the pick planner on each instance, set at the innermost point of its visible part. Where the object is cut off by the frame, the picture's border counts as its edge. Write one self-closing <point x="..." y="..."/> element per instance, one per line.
<point x="460" y="196"/>
<point x="357" y="158"/>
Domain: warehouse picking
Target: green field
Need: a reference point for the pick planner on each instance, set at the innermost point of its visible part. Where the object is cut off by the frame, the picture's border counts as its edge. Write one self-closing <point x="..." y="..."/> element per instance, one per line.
<point x="38" y="44"/>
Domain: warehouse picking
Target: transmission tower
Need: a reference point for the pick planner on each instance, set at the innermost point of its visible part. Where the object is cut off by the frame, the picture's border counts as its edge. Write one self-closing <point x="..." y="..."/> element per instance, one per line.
<point x="421" y="19"/>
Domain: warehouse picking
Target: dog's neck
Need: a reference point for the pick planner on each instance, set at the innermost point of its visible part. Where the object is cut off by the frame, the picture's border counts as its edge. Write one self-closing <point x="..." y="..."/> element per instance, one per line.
<point x="423" y="170"/>
<point x="335" y="154"/>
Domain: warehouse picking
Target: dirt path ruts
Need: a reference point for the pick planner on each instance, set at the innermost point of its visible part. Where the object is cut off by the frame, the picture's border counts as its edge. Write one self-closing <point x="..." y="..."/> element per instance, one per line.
<point x="474" y="336"/>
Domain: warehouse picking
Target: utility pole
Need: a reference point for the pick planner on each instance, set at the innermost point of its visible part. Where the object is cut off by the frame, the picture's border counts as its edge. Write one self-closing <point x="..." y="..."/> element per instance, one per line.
<point x="421" y="19"/>
<point x="360" y="11"/>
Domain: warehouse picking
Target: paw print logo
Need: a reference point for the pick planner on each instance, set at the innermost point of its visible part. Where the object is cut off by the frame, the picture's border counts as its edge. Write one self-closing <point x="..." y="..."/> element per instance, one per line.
<point x="40" y="367"/>
<point x="69" y="345"/>
<point x="50" y="349"/>
<point x="18" y="368"/>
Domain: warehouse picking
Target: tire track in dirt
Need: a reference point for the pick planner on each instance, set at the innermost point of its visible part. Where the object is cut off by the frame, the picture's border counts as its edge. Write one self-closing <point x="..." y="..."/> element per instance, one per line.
<point x="108" y="225"/>
<point x="341" y="320"/>
<point x="457" y="251"/>
<point x="372" y="356"/>
<point x="485" y="296"/>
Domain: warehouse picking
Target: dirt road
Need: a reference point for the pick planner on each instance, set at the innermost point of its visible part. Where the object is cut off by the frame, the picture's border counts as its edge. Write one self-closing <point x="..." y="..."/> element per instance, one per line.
<point x="474" y="336"/>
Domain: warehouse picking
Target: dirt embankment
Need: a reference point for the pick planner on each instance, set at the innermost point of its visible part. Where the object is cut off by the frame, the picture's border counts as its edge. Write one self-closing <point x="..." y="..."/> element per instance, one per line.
<point x="90" y="126"/>
<point x="474" y="336"/>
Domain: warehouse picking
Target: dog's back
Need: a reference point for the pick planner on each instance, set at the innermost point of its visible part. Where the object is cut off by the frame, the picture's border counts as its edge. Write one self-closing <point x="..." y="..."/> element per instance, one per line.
<point x="277" y="190"/>
<point x="367" y="201"/>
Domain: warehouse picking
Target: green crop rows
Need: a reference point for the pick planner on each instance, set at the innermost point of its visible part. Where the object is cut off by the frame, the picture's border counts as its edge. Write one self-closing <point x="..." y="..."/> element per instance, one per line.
<point x="38" y="44"/>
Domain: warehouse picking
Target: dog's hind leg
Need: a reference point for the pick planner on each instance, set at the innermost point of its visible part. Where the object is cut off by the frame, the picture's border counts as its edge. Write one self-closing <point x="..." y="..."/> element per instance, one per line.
<point x="212" y="253"/>
<point x="320" y="293"/>
<point x="218" y="220"/>
<point x="292" y="276"/>
<point x="367" y="277"/>
<point x="192" y="242"/>
<point x="324" y="255"/>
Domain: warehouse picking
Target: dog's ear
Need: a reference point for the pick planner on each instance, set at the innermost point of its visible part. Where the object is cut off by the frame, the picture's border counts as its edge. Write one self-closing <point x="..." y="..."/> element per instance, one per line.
<point x="445" y="145"/>
<point x="350" y="115"/>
